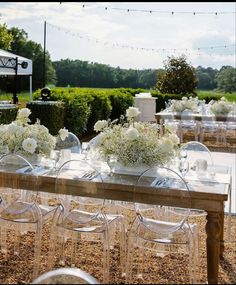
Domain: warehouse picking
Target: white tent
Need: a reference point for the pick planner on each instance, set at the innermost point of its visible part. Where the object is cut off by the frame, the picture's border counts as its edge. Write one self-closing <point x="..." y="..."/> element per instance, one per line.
<point x="12" y="64"/>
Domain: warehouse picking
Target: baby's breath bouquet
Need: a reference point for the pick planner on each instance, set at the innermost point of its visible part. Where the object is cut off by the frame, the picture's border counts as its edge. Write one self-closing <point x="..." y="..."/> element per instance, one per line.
<point x="135" y="143"/>
<point x="184" y="104"/>
<point x="23" y="138"/>
<point x="221" y="107"/>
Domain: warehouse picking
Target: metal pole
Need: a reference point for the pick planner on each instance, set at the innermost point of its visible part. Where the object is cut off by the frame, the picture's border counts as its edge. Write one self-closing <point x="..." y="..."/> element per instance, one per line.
<point x="15" y="98"/>
<point x="44" y="57"/>
<point x="30" y="80"/>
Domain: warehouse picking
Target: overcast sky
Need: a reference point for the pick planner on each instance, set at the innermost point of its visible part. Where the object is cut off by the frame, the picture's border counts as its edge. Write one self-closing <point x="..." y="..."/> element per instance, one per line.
<point x="106" y="32"/>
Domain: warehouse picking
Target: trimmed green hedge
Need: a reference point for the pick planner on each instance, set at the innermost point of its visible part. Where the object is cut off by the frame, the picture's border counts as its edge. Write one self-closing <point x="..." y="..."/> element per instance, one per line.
<point x="84" y="106"/>
<point x="8" y="115"/>
<point x="50" y="115"/>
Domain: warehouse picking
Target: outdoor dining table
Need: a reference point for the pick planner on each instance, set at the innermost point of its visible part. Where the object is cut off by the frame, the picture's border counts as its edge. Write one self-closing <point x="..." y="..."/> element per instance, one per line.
<point x="161" y="116"/>
<point x="208" y="194"/>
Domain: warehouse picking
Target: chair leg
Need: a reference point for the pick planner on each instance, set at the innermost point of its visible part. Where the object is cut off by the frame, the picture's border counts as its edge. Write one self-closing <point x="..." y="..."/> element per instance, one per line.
<point x="122" y="248"/>
<point x="106" y="257"/>
<point x="193" y="256"/>
<point x="17" y="241"/>
<point x="37" y="251"/>
<point x="4" y="240"/>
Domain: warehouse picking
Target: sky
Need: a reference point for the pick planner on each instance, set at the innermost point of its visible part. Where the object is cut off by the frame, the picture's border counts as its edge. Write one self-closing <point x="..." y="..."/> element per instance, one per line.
<point x="127" y="34"/>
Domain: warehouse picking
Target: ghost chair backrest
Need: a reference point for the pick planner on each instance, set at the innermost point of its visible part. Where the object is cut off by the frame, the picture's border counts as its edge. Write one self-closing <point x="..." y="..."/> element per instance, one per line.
<point x="66" y="276"/>
<point x="71" y="142"/>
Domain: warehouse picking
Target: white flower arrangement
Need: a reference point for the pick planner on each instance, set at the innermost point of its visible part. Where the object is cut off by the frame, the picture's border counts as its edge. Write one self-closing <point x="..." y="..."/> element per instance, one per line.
<point x="63" y="133"/>
<point x="221" y="107"/>
<point x="25" y="139"/>
<point x="184" y="104"/>
<point x="136" y="143"/>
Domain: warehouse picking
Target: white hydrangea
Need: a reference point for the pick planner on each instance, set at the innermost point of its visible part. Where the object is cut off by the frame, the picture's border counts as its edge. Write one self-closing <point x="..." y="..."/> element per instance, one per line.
<point x="63" y="133"/>
<point x="29" y="145"/>
<point x="132" y="112"/>
<point x="12" y="128"/>
<point x="23" y="115"/>
<point x="100" y="125"/>
<point x="132" y="134"/>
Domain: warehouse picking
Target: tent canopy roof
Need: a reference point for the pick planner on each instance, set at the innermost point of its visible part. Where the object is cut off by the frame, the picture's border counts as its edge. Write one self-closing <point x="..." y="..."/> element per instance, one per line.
<point x="6" y="56"/>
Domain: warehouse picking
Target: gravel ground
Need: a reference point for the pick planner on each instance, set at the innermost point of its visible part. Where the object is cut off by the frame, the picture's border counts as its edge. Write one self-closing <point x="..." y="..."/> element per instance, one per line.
<point x="170" y="269"/>
<point x="17" y="269"/>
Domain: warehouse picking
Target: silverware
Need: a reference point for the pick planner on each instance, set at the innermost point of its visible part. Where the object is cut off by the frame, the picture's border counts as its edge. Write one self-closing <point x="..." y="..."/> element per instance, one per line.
<point x="162" y="181"/>
<point x="89" y="175"/>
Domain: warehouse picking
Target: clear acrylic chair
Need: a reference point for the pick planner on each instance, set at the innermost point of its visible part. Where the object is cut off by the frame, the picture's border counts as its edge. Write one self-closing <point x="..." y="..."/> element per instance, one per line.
<point x="157" y="231"/>
<point x="21" y="209"/>
<point x="66" y="276"/>
<point x="229" y="127"/>
<point x="187" y="123"/>
<point x="72" y="142"/>
<point x="209" y="125"/>
<point x="192" y="151"/>
<point x="81" y="219"/>
<point x="196" y="150"/>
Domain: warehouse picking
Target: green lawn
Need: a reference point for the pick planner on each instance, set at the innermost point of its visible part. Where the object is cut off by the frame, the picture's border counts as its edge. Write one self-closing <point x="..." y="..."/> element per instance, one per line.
<point x="228" y="96"/>
<point x="24" y="97"/>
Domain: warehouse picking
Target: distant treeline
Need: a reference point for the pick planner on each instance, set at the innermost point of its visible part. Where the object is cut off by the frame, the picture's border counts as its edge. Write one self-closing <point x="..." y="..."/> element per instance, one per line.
<point x="77" y="73"/>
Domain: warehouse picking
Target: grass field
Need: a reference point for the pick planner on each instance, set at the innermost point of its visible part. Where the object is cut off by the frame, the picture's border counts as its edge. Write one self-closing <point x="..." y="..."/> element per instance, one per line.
<point x="24" y="97"/>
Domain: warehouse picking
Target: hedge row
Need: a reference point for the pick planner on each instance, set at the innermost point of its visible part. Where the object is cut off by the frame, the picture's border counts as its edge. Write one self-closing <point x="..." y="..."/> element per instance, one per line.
<point x="84" y="106"/>
<point x="8" y="115"/>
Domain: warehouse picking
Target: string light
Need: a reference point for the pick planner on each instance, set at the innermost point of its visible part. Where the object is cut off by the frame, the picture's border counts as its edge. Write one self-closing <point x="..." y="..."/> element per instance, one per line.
<point x="162" y="12"/>
<point x="163" y="50"/>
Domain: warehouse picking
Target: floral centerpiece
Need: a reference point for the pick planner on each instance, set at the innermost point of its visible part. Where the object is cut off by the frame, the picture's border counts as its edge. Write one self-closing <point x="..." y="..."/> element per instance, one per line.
<point x="135" y="143"/>
<point x="221" y="107"/>
<point x="184" y="104"/>
<point x="26" y="139"/>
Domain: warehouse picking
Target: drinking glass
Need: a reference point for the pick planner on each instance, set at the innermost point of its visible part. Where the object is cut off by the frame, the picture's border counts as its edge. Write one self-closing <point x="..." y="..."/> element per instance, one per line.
<point x="183" y="167"/>
<point x="55" y="156"/>
<point x="85" y="149"/>
<point x="111" y="161"/>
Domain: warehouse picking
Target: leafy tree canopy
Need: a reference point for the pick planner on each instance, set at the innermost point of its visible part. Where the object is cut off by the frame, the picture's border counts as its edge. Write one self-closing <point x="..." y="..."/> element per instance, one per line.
<point x="226" y="79"/>
<point x="5" y="37"/>
<point x="178" y="77"/>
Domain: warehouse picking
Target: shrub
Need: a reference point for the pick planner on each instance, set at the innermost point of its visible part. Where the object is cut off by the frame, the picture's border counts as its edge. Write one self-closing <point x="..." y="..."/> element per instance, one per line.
<point x="50" y="115"/>
<point x="8" y="115"/>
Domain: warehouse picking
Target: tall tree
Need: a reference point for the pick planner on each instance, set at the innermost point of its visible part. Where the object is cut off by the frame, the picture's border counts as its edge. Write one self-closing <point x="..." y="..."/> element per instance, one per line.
<point x="226" y="79"/>
<point x="178" y="78"/>
<point x="5" y="37"/>
<point x="206" y="78"/>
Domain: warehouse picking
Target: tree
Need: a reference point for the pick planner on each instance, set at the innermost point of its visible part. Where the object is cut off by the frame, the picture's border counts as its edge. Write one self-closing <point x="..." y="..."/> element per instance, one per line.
<point x="178" y="78"/>
<point x="20" y="45"/>
<point x="5" y="37"/>
<point x="206" y="78"/>
<point x="226" y="79"/>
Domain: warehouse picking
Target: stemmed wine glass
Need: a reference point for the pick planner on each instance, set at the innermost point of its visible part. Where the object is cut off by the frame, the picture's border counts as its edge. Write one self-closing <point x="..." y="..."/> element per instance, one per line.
<point x="55" y="156"/>
<point x="111" y="162"/>
<point x="85" y="149"/>
<point x="183" y="167"/>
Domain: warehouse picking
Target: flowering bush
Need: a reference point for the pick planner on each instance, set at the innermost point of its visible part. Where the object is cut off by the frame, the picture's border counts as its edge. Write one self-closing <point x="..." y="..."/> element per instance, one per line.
<point x="185" y="104"/>
<point x="135" y="143"/>
<point x="221" y="107"/>
<point x="23" y="138"/>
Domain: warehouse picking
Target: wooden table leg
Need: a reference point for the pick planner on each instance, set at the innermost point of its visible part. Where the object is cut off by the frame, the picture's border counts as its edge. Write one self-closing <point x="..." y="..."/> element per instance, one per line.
<point x="222" y="247"/>
<point x="213" y="230"/>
